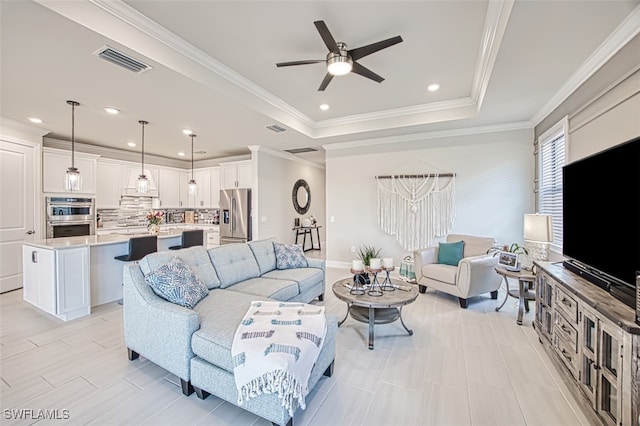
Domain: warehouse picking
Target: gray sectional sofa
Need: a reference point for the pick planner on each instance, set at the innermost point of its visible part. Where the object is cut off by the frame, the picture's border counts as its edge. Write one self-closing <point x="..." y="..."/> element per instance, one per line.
<point x="195" y="344"/>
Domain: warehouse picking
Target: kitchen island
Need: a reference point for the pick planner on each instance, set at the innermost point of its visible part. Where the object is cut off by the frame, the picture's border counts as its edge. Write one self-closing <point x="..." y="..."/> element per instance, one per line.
<point x="67" y="276"/>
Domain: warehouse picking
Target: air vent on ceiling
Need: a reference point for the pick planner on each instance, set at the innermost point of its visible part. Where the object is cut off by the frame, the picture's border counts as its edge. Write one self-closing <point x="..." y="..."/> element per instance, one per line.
<point x="276" y="128"/>
<point x="109" y="54"/>
<point x="200" y="152"/>
<point x="301" y="150"/>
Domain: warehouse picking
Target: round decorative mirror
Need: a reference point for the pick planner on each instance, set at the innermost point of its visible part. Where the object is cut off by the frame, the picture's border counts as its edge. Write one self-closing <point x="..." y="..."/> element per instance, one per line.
<point x="301" y="196"/>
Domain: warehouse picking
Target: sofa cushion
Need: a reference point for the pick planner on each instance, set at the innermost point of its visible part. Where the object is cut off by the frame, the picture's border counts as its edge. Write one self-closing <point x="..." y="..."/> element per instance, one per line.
<point x="177" y="283"/>
<point x="450" y="253"/>
<point x="440" y="272"/>
<point x="196" y="257"/>
<point x="234" y="263"/>
<point x="265" y="254"/>
<point x="220" y="314"/>
<point x="282" y="290"/>
<point x="289" y="256"/>
<point x="307" y="278"/>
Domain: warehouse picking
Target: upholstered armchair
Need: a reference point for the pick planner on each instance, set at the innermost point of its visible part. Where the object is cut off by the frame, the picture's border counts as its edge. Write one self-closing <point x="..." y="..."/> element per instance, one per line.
<point x="474" y="274"/>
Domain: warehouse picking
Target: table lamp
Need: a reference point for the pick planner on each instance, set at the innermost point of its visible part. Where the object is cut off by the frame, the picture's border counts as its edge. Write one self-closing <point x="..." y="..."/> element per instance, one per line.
<point x="538" y="233"/>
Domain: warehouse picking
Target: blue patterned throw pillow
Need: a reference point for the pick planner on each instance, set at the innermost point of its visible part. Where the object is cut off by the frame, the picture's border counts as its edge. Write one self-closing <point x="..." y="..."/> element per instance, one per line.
<point x="289" y="256"/>
<point x="177" y="283"/>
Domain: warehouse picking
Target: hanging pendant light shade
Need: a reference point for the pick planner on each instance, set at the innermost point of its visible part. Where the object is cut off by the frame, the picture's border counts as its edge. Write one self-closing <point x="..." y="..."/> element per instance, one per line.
<point x="72" y="179"/>
<point x="193" y="186"/>
<point x="142" y="184"/>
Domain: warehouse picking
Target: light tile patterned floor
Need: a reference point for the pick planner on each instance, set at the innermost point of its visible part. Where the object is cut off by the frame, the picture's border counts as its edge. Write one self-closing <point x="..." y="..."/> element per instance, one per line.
<point x="461" y="367"/>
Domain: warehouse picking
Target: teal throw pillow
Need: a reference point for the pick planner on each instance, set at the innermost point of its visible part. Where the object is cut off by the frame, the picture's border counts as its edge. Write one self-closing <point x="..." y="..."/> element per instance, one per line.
<point x="289" y="256"/>
<point x="450" y="253"/>
<point x="176" y="282"/>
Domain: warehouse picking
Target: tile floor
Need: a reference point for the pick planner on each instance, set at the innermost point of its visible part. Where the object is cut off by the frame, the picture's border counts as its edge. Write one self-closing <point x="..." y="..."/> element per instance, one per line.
<point x="460" y="367"/>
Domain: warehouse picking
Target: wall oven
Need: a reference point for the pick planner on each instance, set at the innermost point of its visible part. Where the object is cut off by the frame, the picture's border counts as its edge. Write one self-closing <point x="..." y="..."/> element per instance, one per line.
<point x="70" y="216"/>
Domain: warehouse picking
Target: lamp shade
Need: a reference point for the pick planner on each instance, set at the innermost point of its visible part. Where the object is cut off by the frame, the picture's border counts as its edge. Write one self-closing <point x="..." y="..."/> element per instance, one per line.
<point x="538" y="227"/>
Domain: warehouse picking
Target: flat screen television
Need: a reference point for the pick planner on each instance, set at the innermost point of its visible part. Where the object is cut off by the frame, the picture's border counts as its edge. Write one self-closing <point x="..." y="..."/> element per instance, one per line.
<point x="601" y="219"/>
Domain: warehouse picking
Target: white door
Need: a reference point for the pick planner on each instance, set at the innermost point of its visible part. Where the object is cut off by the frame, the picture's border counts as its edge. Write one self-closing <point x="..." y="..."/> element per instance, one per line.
<point x="17" y="223"/>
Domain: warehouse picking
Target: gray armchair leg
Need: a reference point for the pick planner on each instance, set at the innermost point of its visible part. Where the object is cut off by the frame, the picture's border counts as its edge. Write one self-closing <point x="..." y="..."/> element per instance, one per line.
<point x="494" y="295"/>
<point x="463" y="302"/>
<point x="422" y="288"/>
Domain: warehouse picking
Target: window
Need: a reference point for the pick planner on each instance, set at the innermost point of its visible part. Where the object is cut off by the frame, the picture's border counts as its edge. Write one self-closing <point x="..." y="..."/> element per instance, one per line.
<point x="551" y="159"/>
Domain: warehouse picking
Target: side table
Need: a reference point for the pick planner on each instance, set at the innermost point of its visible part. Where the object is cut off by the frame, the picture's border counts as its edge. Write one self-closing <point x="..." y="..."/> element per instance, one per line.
<point x="304" y="230"/>
<point x="525" y="278"/>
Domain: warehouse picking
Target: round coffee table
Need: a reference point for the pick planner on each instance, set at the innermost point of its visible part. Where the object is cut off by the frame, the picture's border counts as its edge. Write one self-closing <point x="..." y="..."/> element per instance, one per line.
<point x="373" y="310"/>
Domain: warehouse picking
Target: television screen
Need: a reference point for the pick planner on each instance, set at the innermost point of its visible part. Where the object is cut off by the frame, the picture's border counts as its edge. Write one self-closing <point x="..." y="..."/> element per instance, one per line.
<point x="601" y="219"/>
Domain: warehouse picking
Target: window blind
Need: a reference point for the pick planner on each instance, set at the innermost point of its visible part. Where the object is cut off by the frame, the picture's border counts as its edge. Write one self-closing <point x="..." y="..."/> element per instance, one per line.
<point x="552" y="159"/>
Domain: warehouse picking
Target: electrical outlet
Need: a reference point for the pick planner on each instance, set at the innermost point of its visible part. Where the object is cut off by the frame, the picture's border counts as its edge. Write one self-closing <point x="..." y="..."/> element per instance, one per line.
<point x="353" y="249"/>
<point x="332" y="219"/>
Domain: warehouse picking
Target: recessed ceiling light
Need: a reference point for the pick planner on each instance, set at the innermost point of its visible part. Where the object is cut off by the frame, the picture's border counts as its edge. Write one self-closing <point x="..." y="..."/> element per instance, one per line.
<point x="324" y="107"/>
<point x="35" y="120"/>
<point x="112" y="110"/>
<point x="433" y="87"/>
<point x="187" y="132"/>
<point x="181" y="154"/>
<point x="131" y="144"/>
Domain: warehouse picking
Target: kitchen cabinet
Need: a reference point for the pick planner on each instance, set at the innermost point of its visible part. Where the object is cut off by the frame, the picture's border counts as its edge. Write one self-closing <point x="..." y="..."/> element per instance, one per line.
<point x="169" y="188"/>
<point x="57" y="280"/>
<point x="236" y="174"/>
<point x="203" y="194"/>
<point x="215" y="186"/>
<point x="109" y="184"/>
<point x="186" y="200"/>
<point x="55" y="163"/>
<point x="130" y="174"/>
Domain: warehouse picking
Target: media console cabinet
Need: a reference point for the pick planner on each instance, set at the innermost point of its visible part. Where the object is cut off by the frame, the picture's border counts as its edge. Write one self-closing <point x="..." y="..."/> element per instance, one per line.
<point x="595" y="339"/>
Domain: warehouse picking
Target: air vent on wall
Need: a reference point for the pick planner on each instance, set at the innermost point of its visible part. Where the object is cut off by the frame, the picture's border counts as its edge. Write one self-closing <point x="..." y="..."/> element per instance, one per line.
<point x="109" y="54"/>
<point x="301" y="150"/>
<point x="276" y="128"/>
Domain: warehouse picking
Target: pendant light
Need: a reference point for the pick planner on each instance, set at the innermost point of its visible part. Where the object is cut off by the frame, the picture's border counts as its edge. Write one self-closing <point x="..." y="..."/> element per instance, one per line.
<point x="142" y="185"/>
<point x="72" y="179"/>
<point x="193" y="186"/>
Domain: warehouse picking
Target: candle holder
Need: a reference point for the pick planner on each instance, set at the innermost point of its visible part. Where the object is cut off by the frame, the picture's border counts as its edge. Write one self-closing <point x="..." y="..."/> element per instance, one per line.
<point x="387" y="285"/>
<point x="358" y="287"/>
<point x="375" y="289"/>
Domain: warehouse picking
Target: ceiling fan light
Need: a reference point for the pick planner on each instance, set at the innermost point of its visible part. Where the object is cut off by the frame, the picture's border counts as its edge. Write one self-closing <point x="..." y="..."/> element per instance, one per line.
<point x="339" y="65"/>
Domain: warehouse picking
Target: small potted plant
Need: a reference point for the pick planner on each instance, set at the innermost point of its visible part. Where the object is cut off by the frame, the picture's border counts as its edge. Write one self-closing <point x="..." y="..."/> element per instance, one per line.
<point x="366" y="253"/>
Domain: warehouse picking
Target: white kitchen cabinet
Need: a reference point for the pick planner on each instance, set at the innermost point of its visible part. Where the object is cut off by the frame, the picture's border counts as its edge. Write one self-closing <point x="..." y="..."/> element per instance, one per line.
<point x="203" y="194"/>
<point x="186" y="200"/>
<point x="236" y="174"/>
<point x="169" y="188"/>
<point x="109" y="184"/>
<point x="215" y="186"/>
<point x="213" y="237"/>
<point x="55" y="163"/>
<point x="57" y="280"/>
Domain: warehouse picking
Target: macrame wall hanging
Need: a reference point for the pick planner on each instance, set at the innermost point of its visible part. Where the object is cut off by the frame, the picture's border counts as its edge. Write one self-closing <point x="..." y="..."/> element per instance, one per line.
<point x="416" y="208"/>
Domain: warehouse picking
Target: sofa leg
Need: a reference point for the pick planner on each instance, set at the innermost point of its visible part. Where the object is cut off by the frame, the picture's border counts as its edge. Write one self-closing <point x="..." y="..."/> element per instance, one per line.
<point x="187" y="388"/>
<point x="132" y="354"/>
<point x="422" y="288"/>
<point x="289" y="423"/>
<point x="329" y="371"/>
<point x="321" y="297"/>
<point x="202" y="394"/>
<point x="494" y="295"/>
<point x="463" y="302"/>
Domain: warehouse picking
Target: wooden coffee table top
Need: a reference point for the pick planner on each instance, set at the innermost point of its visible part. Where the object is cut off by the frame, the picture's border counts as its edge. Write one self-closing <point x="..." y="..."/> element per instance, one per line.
<point x="405" y="294"/>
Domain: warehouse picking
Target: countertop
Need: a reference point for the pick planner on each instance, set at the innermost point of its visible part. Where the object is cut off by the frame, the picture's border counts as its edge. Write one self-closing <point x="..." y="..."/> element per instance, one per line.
<point x="97" y="240"/>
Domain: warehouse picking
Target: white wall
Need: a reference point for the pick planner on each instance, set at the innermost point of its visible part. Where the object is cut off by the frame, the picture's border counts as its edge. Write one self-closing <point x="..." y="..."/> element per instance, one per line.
<point x="494" y="187"/>
<point x="277" y="173"/>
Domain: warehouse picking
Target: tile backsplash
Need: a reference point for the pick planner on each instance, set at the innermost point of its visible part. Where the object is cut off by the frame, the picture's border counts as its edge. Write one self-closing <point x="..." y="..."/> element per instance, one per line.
<point x="133" y="211"/>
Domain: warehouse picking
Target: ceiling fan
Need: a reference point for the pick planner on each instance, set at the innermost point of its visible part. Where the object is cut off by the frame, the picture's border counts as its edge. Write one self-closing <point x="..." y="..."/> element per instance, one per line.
<point x="341" y="61"/>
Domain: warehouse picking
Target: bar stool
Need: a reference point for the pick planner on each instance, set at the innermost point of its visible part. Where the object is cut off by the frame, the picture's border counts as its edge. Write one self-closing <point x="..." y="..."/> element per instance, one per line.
<point x="139" y="247"/>
<point x="194" y="237"/>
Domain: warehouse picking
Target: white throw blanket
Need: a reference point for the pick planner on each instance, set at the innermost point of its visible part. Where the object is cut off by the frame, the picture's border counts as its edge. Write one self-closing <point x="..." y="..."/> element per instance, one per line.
<point x="275" y="348"/>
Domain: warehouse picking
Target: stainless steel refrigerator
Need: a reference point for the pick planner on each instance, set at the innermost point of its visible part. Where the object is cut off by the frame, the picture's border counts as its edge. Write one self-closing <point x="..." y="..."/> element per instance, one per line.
<point x="235" y="215"/>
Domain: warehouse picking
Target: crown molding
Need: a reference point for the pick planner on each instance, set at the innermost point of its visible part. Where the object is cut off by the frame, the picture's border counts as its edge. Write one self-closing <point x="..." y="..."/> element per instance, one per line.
<point x="286" y="156"/>
<point x="622" y="35"/>
<point x="122" y="23"/>
<point x="439" y="134"/>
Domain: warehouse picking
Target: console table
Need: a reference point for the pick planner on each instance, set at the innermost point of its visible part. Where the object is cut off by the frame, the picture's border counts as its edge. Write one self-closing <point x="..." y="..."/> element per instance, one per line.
<point x="595" y="341"/>
<point x="304" y="230"/>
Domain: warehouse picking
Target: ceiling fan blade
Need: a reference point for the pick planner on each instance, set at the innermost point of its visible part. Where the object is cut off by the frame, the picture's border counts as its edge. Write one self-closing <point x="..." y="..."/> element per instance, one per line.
<point x="288" y="64"/>
<point x="328" y="39"/>
<point x="361" y="52"/>
<point x="366" y="72"/>
<point x="325" y="82"/>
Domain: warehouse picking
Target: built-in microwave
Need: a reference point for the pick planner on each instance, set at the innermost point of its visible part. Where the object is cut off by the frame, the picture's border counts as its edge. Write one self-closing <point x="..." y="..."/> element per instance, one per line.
<point x="70" y="217"/>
